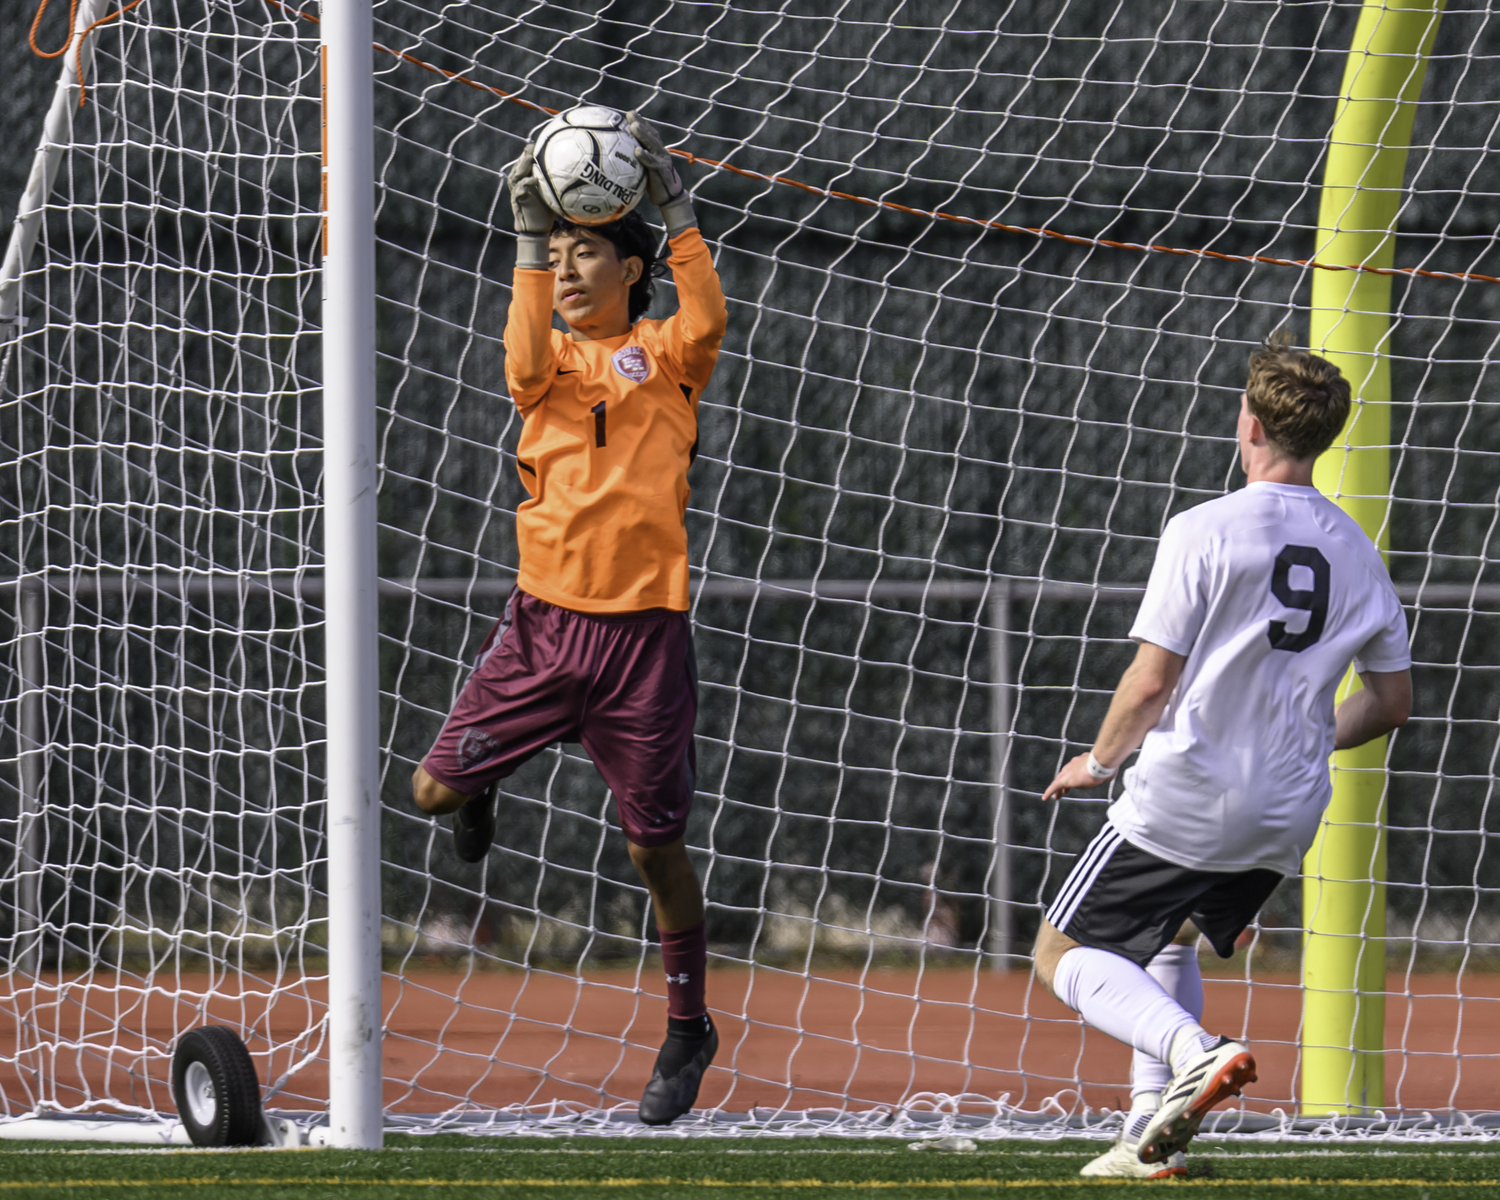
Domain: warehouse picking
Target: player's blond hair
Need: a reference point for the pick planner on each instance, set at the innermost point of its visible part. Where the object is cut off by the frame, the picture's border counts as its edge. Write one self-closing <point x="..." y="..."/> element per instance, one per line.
<point x="1301" y="400"/>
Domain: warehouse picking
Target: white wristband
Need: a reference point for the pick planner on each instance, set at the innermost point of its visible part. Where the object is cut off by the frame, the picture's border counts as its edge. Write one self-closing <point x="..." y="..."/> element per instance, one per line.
<point x="1097" y="770"/>
<point x="532" y="252"/>
<point x="677" y="214"/>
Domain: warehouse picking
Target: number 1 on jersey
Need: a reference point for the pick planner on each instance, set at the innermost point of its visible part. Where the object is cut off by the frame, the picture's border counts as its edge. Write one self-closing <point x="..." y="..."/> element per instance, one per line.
<point x="1314" y="602"/>
<point x="598" y="411"/>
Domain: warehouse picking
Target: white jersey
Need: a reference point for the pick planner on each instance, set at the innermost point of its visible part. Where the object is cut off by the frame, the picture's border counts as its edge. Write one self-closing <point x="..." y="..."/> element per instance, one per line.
<point x="1269" y="593"/>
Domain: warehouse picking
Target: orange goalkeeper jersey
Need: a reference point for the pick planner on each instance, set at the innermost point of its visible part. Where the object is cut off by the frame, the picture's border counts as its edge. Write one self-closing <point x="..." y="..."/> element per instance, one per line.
<point x="609" y="429"/>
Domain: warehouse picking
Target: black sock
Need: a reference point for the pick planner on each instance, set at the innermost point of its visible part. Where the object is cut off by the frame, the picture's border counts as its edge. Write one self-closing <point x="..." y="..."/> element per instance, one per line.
<point x="470" y="815"/>
<point x="478" y="802"/>
<point x="685" y="1037"/>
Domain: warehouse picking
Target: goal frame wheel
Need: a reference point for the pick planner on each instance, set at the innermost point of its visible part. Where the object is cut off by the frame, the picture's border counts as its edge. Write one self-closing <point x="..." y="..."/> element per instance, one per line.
<point x="216" y="1090"/>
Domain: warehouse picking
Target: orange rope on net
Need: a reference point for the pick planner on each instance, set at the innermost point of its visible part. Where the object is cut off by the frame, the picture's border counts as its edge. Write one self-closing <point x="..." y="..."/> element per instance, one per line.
<point x="1036" y="231"/>
<point x="36" y="22"/>
<point x="83" y="89"/>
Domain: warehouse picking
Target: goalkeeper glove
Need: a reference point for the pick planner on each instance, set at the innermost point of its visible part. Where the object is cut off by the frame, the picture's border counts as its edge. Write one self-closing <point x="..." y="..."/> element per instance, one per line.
<point x="533" y="219"/>
<point x="663" y="184"/>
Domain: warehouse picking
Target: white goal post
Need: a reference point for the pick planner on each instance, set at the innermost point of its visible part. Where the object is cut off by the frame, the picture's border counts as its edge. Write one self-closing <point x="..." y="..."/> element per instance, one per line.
<point x="993" y="275"/>
<point x="355" y="1076"/>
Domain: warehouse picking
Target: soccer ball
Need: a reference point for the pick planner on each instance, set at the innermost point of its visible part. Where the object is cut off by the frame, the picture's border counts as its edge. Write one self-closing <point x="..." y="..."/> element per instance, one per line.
<point x="586" y="165"/>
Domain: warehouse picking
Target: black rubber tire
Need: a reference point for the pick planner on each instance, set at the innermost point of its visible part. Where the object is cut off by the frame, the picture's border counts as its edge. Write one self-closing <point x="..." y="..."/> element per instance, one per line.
<point x="226" y="1112"/>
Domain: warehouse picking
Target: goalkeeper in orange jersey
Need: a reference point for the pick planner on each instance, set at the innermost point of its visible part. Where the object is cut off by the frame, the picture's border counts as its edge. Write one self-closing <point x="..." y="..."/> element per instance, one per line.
<point x="595" y="644"/>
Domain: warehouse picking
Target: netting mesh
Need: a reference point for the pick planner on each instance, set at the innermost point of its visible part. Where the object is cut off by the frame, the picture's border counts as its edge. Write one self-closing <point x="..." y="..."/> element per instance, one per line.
<point x="933" y="463"/>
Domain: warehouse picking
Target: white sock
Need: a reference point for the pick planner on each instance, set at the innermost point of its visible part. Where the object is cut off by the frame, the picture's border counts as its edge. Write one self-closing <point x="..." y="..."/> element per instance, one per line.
<point x="1188" y="1043"/>
<point x="1143" y="1106"/>
<point x="1118" y="998"/>
<point x="1145" y="1102"/>
<point x="1176" y="969"/>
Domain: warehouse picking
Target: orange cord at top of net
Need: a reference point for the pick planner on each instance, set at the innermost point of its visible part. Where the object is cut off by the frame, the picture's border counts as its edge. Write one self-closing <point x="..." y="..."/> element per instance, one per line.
<point x="36" y="22"/>
<point x="1036" y="231"/>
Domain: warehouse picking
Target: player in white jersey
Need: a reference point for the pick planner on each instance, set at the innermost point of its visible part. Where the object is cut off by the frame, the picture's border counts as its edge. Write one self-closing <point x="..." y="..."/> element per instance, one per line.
<point x="1257" y="605"/>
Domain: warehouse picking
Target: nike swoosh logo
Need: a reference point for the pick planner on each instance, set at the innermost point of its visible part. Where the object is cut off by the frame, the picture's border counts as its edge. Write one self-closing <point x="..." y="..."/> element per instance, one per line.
<point x="567" y="372"/>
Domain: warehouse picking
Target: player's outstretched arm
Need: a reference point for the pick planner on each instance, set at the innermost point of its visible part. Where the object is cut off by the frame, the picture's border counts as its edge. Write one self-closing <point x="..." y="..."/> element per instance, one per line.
<point x="530" y="214"/>
<point x="529" y="361"/>
<point x="1137" y="705"/>
<point x="1381" y="705"/>
<point x="693" y="335"/>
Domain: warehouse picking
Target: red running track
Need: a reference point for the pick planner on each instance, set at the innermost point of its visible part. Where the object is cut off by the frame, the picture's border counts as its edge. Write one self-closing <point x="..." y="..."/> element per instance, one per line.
<point x="494" y="1038"/>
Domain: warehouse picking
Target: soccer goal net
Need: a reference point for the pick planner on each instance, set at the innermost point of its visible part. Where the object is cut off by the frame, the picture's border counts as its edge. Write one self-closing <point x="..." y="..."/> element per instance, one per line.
<point x="993" y="275"/>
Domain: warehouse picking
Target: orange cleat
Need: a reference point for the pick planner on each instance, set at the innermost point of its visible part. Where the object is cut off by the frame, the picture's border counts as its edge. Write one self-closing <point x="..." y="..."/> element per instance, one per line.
<point x="1204" y="1080"/>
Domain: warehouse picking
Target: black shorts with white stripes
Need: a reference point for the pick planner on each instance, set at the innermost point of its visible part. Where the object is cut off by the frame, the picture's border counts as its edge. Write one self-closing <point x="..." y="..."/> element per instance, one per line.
<point x="1121" y="898"/>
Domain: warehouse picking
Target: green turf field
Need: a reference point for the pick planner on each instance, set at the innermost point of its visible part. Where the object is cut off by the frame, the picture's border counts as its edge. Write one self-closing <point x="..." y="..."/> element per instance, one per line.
<point x="661" y="1168"/>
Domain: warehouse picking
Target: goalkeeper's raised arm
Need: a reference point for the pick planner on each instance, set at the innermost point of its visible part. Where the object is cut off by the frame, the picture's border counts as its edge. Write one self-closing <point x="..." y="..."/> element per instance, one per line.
<point x="693" y="335"/>
<point x="530" y="362"/>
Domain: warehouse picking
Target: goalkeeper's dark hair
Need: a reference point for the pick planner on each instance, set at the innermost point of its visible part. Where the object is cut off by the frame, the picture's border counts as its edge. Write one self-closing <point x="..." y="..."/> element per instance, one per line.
<point x="1301" y="400"/>
<point x="632" y="238"/>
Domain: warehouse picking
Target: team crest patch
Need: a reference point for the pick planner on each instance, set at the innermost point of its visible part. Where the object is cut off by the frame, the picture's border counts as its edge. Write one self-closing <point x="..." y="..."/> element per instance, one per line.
<point x="474" y="747"/>
<point x="631" y="362"/>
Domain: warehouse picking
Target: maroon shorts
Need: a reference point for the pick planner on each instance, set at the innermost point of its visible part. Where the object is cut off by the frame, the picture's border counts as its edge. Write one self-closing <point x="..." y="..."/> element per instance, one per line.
<point x="623" y="684"/>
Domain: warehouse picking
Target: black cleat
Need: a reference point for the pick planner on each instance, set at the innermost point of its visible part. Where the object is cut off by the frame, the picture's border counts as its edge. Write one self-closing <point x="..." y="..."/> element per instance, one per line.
<point x="474" y="826"/>
<point x="685" y="1054"/>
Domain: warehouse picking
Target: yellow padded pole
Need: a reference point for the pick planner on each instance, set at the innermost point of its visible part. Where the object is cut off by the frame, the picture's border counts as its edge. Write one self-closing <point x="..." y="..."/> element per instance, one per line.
<point x="1343" y="898"/>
